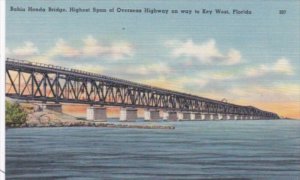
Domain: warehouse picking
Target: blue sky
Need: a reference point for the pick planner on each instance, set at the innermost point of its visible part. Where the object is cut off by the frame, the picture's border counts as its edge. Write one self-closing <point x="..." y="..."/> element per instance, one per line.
<point x="247" y="59"/>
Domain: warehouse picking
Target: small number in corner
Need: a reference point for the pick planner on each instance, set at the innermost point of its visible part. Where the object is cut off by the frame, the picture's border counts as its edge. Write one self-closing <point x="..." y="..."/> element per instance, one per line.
<point x="282" y="11"/>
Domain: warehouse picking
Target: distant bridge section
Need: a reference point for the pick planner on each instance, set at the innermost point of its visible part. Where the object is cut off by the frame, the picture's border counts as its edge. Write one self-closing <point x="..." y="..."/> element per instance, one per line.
<point x="49" y="83"/>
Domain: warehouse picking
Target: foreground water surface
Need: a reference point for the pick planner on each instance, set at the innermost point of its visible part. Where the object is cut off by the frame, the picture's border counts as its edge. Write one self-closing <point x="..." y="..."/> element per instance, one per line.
<point x="194" y="150"/>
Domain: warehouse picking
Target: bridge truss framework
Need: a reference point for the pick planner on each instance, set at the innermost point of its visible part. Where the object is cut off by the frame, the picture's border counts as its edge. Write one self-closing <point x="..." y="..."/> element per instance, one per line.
<point x="48" y="83"/>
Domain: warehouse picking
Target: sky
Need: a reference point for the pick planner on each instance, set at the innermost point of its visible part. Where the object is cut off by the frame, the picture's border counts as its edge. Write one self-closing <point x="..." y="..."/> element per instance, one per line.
<point x="246" y="59"/>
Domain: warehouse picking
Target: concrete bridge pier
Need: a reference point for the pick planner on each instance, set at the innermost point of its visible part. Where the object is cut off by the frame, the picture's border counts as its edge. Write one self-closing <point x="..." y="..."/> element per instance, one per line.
<point x="165" y="115"/>
<point x="185" y="116"/>
<point x="195" y="116"/>
<point x="96" y="113"/>
<point x="198" y="116"/>
<point x="237" y="117"/>
<point x="179" y="115"/>
<point x="226" y="116"/>
<point x="170" y="115"/>
<point x="151" y="114"/>
<point x="231" y="117"/>
<point x="51" y="106"/>
<point x="219" y="116"/>
<point x="207" y="116"/>
<point x="222" y="117"/>
<point x="215" y="117"/>
<point x="128" y="114"/>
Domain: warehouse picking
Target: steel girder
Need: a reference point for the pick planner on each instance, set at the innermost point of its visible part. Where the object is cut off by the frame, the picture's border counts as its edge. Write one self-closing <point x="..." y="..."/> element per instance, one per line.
<point x="40" y="82"/>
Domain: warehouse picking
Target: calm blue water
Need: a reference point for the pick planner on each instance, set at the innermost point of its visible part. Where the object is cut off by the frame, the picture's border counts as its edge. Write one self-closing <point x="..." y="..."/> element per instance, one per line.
<point x="194" y="150"/>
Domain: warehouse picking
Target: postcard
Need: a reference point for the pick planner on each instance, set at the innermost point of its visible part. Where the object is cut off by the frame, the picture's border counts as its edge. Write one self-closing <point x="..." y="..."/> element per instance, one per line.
<point x="150" y="89"/>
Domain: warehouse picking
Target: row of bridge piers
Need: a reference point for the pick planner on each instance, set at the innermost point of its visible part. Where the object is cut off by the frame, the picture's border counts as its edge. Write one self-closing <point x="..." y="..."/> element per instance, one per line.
<point x="131" y="114"/>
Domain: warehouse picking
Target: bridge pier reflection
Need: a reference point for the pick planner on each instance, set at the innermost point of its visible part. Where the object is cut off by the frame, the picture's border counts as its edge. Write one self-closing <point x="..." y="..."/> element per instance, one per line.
<point x="96" y="113"/>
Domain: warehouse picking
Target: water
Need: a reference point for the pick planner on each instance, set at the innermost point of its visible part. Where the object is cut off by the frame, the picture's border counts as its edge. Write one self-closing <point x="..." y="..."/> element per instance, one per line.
<point x="194" y="150"/>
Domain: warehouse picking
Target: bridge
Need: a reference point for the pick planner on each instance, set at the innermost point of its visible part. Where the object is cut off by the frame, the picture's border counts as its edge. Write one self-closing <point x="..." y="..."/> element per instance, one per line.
<point x="54" y="85"/>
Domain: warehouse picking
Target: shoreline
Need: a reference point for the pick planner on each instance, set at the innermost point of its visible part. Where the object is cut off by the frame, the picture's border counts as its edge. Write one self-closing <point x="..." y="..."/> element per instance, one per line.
<point x="95" y="124"/>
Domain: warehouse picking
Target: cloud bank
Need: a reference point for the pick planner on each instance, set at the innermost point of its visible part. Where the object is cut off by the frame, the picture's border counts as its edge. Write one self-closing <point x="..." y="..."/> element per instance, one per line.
<point x="204" y="53"/>
<point x="90" y="47"/>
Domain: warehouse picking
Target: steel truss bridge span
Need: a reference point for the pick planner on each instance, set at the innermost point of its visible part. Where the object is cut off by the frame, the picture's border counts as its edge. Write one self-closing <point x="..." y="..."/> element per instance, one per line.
<point x="48" y="83"/>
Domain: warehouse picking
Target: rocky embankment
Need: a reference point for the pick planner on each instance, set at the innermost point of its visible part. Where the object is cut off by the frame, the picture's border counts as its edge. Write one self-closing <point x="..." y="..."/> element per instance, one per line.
<point x="47" y="118"/>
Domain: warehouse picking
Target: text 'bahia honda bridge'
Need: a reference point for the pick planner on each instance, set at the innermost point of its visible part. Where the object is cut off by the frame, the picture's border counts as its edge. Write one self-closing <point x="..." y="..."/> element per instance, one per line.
<point x="48" y="83"/>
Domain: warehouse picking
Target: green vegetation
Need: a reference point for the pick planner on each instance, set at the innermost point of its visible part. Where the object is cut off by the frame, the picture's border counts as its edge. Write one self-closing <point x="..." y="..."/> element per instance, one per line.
<point x="15" y="115"/>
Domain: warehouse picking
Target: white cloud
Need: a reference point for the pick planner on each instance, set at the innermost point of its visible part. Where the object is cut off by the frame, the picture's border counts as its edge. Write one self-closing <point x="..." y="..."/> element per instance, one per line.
<point x="28" y="49"/>
<point x="150" y="69"/>
<point x="121" y="50"/>
<point x="92" y="47"/>
<point x="233" y="57"/>
<point x="206" y="52"/>
<point x="166" y="83"/>
<point x="115" y="51"/>
<point x="62" y="48"/>
<point x="212" y="78"/>
<point x="269" y="93"/>
<point x="281" y="66"/>
<point x="196" y="81"/>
